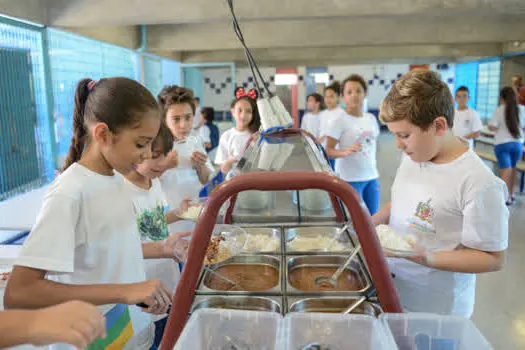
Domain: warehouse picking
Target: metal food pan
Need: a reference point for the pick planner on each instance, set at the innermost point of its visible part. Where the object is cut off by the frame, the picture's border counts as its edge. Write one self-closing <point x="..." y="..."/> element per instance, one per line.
<point x="330" y="305"/>
<point x="294" y="234"/>
<point x="332" y="261"/>
<point x="270" y="232"/>
<point x="239" y="302"/>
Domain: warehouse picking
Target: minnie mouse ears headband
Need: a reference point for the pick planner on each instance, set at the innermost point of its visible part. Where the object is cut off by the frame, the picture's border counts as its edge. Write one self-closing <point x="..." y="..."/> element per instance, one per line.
<point x="240" y="93"/>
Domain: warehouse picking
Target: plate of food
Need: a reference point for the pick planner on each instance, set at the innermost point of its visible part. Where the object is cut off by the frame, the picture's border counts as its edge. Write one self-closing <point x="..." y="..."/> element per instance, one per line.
<point x="414" y="243"/>
<point x="194" y="209"/>
<point x="226" y="241"/>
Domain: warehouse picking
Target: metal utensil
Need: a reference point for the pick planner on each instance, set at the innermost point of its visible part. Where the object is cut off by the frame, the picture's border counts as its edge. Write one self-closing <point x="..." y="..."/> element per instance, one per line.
<point x="354" y="305"/>
<point x="222" y="277"/>
<point x="333" y="280"/>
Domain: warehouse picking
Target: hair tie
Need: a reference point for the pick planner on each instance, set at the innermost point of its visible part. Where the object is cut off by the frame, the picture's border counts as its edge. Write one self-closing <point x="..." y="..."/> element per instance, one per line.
<point x="92" y="84"/>
<point x="242" y="93"/>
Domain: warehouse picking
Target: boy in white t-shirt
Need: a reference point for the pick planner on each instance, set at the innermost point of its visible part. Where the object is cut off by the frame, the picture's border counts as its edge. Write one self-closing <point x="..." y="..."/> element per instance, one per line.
<point x="467" y="123"/>
<point x="443" y="189"/>
<point x="151" y="205"/>
<point x="312" y="120"/>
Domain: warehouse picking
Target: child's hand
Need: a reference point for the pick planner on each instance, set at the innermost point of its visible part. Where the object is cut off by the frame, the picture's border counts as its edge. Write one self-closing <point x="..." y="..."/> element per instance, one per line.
<point x="153" y="293"/>
<point x="172" y="160"/>
<point x="357" y="147"/>
<point x="174" y="246"/>
<point x="228" y="164"/>
<point x="199" y="159"/>
<point x="75" y="323"/>
<point x="184" y="206"/>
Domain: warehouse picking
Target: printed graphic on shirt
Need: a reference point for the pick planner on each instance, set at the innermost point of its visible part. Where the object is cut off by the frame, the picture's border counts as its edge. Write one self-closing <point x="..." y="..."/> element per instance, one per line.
<point x="152" y="224"/>
<point x="366" y="139"/>
<point x="423" y="217"/>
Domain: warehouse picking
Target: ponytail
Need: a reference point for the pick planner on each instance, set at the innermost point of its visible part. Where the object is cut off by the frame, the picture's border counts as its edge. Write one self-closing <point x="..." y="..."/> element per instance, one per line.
<point x="511" y="111"/>
<point x="79" y="130"/>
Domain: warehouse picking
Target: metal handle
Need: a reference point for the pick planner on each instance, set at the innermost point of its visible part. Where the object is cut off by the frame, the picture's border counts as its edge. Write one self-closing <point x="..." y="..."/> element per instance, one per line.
<point x="340" y="270"/>
<point x="354" y="305"/>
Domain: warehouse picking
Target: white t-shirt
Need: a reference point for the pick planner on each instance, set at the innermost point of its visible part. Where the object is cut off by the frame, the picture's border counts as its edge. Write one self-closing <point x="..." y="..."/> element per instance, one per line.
<point x="183" y="181"/>
<point x="326" y="117"/>
<point x="348" y="130"/>
<point x="150" y="206"/>
<point x="460" y="202"/>
<point x="204" y="133"/>
<point x="498" y="120"/>
<point x="232" y="144"/>
<point x="86" y="233"/>
<point x="312" y="123"/>
<point x="466" y="122"/>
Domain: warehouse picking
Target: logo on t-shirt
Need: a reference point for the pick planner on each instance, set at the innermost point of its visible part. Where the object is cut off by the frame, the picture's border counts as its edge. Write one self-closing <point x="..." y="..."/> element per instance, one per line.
<point x="152" y="224"/>
<point x="425" y="211"/>
<point x="366" y="139"/>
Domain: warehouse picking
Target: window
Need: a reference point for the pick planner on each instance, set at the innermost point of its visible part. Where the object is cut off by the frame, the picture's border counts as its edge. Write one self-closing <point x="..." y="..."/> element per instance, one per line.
<point x="487" y="94"/>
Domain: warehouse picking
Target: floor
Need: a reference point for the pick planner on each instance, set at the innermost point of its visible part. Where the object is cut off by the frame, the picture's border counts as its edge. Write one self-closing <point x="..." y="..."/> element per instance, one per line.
<point x="499" y="311"/>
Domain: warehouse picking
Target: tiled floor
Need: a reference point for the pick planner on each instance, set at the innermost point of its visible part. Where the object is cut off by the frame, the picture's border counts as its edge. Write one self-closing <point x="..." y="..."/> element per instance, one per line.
<point x="499" y="311"/>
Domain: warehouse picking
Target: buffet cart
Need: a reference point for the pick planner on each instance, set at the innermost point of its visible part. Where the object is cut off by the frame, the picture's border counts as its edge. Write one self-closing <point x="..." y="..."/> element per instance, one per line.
<point x="284" y="189"/>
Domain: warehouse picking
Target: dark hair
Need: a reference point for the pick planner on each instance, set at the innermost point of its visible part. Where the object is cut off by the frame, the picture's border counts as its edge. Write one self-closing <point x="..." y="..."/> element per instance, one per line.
<point x="511" y="111"/>
<point x="318" y="98"/>
<point x="209" y="114"/>
<point x="356" y="78"/>
<point x="164" y="138"/>
<point x="255" y="124"/>
<point x="335" y="87"/>
<point x="175" y="95"/>
<point x="464" y="89"/>
<point x="197" y="99"/>
<point x="117" y="102"/>
<point x="419" y="96"/>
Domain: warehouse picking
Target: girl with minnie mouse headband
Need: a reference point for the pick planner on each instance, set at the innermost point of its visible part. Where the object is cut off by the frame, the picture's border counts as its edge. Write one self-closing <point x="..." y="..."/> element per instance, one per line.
<point x="247" y="122"/>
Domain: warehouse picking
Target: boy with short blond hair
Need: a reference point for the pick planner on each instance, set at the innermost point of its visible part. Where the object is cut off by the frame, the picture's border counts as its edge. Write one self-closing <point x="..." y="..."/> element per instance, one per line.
<point x="441" y="188"/>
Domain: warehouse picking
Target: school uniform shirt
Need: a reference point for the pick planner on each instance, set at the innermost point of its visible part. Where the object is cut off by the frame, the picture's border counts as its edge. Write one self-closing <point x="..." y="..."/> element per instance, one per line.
<point x="461" y="203"/>
<point x="348" y="130"/>
<point x="498" y="120"/>
<point x="232" y="144"/>
<point x="327" y="116"/>
<point x="466" y="122"/>
<point x="150" y="206"/>
<point x="311" y="123"/>
<point x="205" y="134"/>
<point x="183" y="181"/>
<point x="86" y="233"/>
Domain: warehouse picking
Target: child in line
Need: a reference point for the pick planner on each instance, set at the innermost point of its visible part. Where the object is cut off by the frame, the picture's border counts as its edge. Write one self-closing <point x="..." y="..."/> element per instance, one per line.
<point x="190" y="166"/>
<point x="467" y="123"/>
<point x="312" y="120"/>
<point x="247" y="122"/>
<point x="209" y="132"/>
<point x="356" y="134"/>
<point x="150" y="204"/>
<point x="85" y="244"/>
<point x="332" y="94"/>
<point x="508" y="121"/>
<point x="74" y="322"/>
<point x="442" y="188"/>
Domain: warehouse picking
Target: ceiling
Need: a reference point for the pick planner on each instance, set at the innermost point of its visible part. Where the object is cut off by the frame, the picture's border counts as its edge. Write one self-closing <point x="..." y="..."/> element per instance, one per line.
<point x="293" y="32"/>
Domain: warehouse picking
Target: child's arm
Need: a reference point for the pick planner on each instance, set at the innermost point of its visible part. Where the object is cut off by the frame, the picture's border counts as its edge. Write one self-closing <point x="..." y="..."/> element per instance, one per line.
<point x="29" y="289"/>
<point x="175" y="215"/>
<point x="464" y="260"/>
<point x="473" y="135"/>
<point x="200" y="160"/>
<point x="171" y="247"/>
<point x="227" y="165"/>
<point x="75" y="323"/>
<point x="340" y="153"/>
<point x="382" y="217"/>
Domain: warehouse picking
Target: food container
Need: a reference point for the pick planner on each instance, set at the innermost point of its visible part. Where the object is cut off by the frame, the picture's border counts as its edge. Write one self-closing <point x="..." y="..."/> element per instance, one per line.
<point x="243" y="264"/>
<point x="329" y="263"/>
<point x="234" y="302"/>
<point x="263" y="240"/>
<point x="334" y="332"/>
<point x="213" y="329"/>
<point x="314" y="200"/>
<point x="316" y="240"/>
<point x="254" y="200"/>
<point x="335" y="305"/>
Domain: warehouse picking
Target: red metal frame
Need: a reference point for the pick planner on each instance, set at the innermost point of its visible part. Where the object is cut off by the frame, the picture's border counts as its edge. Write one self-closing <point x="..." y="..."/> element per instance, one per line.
<point x="278" y="181"/>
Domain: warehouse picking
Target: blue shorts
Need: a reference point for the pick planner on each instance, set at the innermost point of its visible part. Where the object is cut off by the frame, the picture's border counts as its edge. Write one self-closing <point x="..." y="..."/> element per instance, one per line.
<point x="369" y="191"/>
<point x="508" y="154"/>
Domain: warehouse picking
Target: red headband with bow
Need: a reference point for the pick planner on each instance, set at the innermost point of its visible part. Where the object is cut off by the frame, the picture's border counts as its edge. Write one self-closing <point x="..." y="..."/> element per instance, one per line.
<point x="242" y="93"/>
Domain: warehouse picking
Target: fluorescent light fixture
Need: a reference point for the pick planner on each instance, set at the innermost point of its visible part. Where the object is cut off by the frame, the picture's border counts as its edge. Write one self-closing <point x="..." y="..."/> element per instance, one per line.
<point x="285" y="79"/>
<point x="322" y="78"/>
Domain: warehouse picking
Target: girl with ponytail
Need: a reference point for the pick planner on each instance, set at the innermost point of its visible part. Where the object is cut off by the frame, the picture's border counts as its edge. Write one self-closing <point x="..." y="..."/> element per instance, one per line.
<point x="86" y="243"/>
<point x="508" y="120"/>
